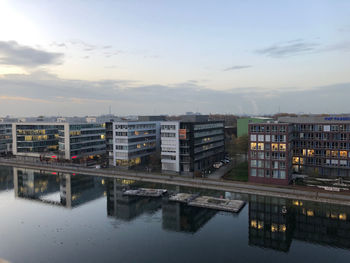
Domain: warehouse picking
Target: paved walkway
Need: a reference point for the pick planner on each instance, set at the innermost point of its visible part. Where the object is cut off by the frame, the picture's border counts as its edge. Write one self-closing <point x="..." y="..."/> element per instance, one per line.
<point x="290" y="192"/>
<point x="217" y="174"/>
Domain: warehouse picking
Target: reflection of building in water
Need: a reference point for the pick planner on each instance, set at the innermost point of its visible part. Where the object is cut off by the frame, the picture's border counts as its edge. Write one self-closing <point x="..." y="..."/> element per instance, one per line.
<point x="183" y="218"/>
<point x="34" y="183"/>
<point x="268" y="226"/>
<point x="56" y="188"/>
<point x="6" y="178"/>
<point x="320" y="223"/>
<point x="79" y="189"/>
<point x="128" y="207"/>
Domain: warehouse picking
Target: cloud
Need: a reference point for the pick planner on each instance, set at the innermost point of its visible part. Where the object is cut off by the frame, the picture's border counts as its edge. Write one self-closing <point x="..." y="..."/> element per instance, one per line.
<point x="344" y="29"/>
<point x="290" y="48"/>
<point x="341" y="46"/>
<point x="41" y="93"/>
<point x="57" y="44"/>
<point x="237" y="67"/>
<point x="12" y="53"/>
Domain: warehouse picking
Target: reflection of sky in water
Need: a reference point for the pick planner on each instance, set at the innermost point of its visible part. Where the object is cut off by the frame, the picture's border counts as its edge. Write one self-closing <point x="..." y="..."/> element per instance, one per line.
<point x="149" y="230"/>
<point x="53" y="197"/>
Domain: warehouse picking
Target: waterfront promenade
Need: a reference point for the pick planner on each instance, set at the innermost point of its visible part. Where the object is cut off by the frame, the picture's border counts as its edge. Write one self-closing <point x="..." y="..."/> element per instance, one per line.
<point x="291" y="192"/>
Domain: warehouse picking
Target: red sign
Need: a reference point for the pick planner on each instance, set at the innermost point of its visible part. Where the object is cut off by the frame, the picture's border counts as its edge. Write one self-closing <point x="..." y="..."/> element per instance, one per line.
<point x="182" y="134"/>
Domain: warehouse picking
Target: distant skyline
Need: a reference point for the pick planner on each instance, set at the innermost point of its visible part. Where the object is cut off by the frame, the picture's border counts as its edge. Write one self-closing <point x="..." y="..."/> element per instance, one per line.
<point x="170" y="57"/>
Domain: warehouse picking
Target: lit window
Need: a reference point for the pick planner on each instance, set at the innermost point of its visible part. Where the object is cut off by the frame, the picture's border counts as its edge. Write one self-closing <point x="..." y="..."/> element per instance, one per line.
<point x="310" y="213"/>
<point x="282" y="228"/>
<point x="274" y="227"/>
<point x="253" y="146"/>
<point x="311" y="152"/>
<point x="253" y="224"/>
<point x="343" y="153"/>
<point x="342" y="216"/>
<point x="282" y="146"/>
<point x="274" y="147"/>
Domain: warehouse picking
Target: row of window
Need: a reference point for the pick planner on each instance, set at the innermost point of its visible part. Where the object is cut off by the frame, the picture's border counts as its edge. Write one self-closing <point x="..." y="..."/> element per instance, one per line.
<point x="268" y="128"/>
<point x="135" y="133"/>
<point x="168" y="127"/>
<point x="206" y="126"/>
<point x="267" y="146"/>
<point x="323" y="136"/>
<point x="268" y="155"/>
<point x="317" y="144"/>
<point x="135" y="126"/>
<point x="317" y="161"/>
<point x="268" y="138"/>
<point x="276" y="174"/>
<point x="319" y="127"/>
<point x="324" y="153"/>
<point x="268" y="164"/>
<point x="168" y="134"/>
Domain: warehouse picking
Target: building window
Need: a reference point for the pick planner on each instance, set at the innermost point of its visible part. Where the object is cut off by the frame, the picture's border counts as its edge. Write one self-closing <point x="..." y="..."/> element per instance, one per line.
<point x="252" y="172"/>
<point x="295" y="160"/>
<point x="275" y="174"/>
<point x="311" y="152"/>
<point x="274" y="146"/>
<point x="253" y="146"/>
<point x="343" y="154"/>
<point x="260" y="138"/>
<point x="253" y="137"/>
<point x="253" y="163"/>
<point x="282" y="147"/>
<point x="267" y="138"/>
<point x="261" y="146"/>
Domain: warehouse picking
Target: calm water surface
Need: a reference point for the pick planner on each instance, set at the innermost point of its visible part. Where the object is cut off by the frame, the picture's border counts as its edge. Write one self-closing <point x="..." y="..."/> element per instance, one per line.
<point x="51" y="217"/>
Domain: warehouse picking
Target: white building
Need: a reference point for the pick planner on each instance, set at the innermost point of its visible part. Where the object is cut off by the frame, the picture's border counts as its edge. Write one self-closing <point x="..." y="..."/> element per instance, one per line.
<point x="170" y="146"/>
<point x="133" y="142"/>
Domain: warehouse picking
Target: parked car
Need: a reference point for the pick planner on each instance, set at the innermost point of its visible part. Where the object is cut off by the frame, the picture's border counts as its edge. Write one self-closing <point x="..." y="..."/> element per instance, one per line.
<point x="217" y="165"/>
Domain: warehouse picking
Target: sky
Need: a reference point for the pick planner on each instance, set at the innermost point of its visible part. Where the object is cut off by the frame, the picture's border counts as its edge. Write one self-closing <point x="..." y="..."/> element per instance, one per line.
<point x="141" y="57"/>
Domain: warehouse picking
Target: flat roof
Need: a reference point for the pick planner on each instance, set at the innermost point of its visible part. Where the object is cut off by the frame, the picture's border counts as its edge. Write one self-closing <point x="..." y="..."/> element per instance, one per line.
<point x="317" y="119"/>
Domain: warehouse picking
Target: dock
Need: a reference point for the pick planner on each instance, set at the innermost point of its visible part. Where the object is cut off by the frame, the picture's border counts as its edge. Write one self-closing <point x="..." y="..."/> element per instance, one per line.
<point x="218" y="203"/>
<point x="209" y="202"/>
<point x="183" y="197"/>
<point x="146" y="192"/>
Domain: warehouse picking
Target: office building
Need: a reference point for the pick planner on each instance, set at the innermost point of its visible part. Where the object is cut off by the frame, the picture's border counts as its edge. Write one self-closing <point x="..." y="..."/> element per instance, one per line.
<point x="315" y="146"/>
<point x="82" y="141"/>
<point x="131" y="143"/>
<point x="5" y="138"/>
<point x="68" y="141"/>
<point x="35" y="139"/>
<point x="192" y="144"/>
<point x="242" y="124"/>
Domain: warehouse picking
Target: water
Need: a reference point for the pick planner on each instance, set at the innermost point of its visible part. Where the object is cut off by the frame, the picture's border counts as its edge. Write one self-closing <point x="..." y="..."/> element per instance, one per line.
<point x="50" y="217"/>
